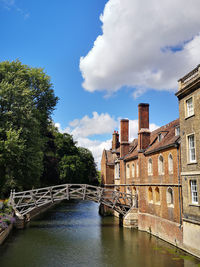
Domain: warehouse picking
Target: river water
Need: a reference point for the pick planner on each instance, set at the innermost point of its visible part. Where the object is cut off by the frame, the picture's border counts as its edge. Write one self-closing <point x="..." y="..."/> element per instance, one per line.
<point x="73" y="234"/>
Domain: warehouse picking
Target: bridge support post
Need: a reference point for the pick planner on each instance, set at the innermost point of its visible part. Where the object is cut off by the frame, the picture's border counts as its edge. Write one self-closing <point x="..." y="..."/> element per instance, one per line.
<point x="131" y="219"/>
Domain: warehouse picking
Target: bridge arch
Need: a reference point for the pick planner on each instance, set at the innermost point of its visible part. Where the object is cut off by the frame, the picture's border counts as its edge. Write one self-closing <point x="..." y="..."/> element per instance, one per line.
<point x="26" y="201"/>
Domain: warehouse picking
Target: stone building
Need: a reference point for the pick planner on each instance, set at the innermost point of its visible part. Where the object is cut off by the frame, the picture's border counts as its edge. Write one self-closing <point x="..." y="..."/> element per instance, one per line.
<point x="189" y="109"/>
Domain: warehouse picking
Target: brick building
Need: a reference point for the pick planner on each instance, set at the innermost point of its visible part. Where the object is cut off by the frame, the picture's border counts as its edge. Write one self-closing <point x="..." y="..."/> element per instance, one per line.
<point x="189" y="109"/>
<point x="148" y="167"/>
<point x="161" y="169"/>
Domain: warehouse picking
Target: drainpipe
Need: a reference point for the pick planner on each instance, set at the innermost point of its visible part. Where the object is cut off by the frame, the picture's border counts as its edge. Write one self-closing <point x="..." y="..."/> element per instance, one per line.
<point x="125" y="174"/>
<point x="179" y="185"/>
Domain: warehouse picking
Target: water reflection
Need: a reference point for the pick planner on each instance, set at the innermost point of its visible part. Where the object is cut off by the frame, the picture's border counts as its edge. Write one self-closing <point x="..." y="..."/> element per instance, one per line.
<point x="73" y="234"/>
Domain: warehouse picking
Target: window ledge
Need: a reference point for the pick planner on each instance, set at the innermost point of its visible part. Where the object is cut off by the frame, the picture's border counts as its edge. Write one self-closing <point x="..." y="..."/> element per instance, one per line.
<point x="170" y="205"/>
<point x="194" y="205"/>
<point x="157" y="203"/>
<point x="189" y="116"/>
<point x="117" y="178"/>
<point x="151" y="201"/>
<point x="190" y="163"/>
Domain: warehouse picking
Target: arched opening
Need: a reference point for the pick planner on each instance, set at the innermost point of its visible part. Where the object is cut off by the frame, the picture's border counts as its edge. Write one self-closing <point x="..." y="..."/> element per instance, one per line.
<point x="170" y="163"/>
<point x="160" y="165"/>
<point x="127" y="171"/>
<point x="133" y="170"/>
<point x="157" y="195"/>
<point x="150" y="194"/>
<point x="150" y="167"/>
<point x="170" y="198"/>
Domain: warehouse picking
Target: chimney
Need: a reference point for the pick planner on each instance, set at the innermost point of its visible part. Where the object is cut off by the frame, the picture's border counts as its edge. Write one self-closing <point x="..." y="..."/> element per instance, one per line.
<point x="143" y="126"/>
<point x="124" y="132"/>
<point x="115" y="140"/>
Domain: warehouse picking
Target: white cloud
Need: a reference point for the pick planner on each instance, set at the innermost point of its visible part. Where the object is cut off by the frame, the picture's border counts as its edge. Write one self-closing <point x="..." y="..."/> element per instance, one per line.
<point x="144" y="44"/>
<point x="100" y="124"/>
<point x="11" y="4"/>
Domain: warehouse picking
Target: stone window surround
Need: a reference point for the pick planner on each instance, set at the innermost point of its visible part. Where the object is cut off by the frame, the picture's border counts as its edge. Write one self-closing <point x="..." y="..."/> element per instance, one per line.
<point x="170" y="197"/>
<point x="187" y="146"/>
<point x="186" y="107"/>
<point x="196" y="203"/>
<point x="177" y="130"/>
<point x="161" y="170"/>
<point x="117" y="171"/>
<point x="137" y="169"/>
<point x="133" y="170"/>
<point x="150" y="168"/>
<point x="170" y="161"/>
<point x="128" y="171"/>
<point x="157" y="195"/>
<point x="150" y="194"/>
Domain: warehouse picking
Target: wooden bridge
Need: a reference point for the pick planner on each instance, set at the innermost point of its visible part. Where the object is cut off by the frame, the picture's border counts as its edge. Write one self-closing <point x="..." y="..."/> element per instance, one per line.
<point x="25" y="202"/>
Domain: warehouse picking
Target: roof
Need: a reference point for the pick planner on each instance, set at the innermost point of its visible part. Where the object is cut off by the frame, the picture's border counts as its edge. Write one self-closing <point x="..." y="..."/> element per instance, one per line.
<point x="109" y="157"/>
<point x="168" y="140"/>
<point x="168" y="137"/>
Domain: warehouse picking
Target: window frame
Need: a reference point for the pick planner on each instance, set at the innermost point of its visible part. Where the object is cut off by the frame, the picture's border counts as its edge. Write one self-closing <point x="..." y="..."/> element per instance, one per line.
<point x="150" y="194"/>
<point x="161" y="172"/>
<point x="170" y="164"/>
<point x="128" y="171"/>
<point x="150" y="167"/>
<point x="137" y="169"/>
<point x="189" y="155"/>
<point x="133" y="169"/>
<point x="157" y="193"/>
<point x="170" y="195"/>
<point x="194" y="191"/>
<point x="117" y="171"/>
<point x="189" y="113"/>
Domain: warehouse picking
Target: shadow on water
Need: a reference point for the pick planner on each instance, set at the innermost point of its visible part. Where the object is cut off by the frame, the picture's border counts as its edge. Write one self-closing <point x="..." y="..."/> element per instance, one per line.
<point x="73" y="234"/>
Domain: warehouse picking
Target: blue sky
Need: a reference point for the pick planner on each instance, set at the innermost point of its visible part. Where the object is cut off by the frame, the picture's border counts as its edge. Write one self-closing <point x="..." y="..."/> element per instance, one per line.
<point x="104" y="57"/>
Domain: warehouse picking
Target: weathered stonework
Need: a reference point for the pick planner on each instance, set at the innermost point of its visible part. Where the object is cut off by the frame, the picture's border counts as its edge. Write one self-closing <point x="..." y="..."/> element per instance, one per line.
<point x="189" y="90"/>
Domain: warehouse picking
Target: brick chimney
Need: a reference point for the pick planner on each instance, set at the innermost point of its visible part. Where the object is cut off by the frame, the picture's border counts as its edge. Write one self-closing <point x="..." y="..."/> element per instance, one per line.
<point x="124" y="133"/>
<point x="115" y="140"/>
<point x="143" y="126"/>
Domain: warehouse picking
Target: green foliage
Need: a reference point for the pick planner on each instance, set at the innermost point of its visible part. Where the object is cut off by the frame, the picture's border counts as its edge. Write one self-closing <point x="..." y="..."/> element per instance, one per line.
<point x="32" y="151"/>
<point x="26" y="103"/>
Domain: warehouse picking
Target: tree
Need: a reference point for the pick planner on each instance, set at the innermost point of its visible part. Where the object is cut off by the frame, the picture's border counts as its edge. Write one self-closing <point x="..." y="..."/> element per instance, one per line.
<point x="26" y="104"/>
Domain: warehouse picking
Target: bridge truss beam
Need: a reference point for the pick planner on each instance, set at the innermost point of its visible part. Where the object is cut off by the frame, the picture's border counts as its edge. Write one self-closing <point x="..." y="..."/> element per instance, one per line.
<point x="26" y="201"/>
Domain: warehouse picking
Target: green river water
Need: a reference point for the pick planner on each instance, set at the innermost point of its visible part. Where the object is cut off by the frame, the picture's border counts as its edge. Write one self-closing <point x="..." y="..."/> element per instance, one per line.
<point x="74" y="234"/>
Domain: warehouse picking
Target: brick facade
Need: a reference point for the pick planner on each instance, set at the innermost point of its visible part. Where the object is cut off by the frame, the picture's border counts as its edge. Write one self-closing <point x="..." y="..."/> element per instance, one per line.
<point x="161" y="169"/>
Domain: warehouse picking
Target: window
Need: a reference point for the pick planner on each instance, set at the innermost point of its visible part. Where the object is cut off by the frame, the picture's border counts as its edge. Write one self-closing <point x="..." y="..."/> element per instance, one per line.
<point x="191" y="148"/>
<point x="137" y="169"/>
<point x="170" y="163"/>
<point x="189" y="107"/>
<point x="160" y="165"/>
<point x="170" y="198"/>
<point x="150" y="167"/>
<point x="127" y="171"/>
<point x="194" y="196"/>
<point x="177" y="130"/>
<point x="150" y="194"/>
<point x="134" y="191"/>
<point x="160" y="137"/>
<point x="133" y="170"/>
<point x="157" y="195"/>
<point x="128" y="190"/>
<point x="117" y="171"/>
